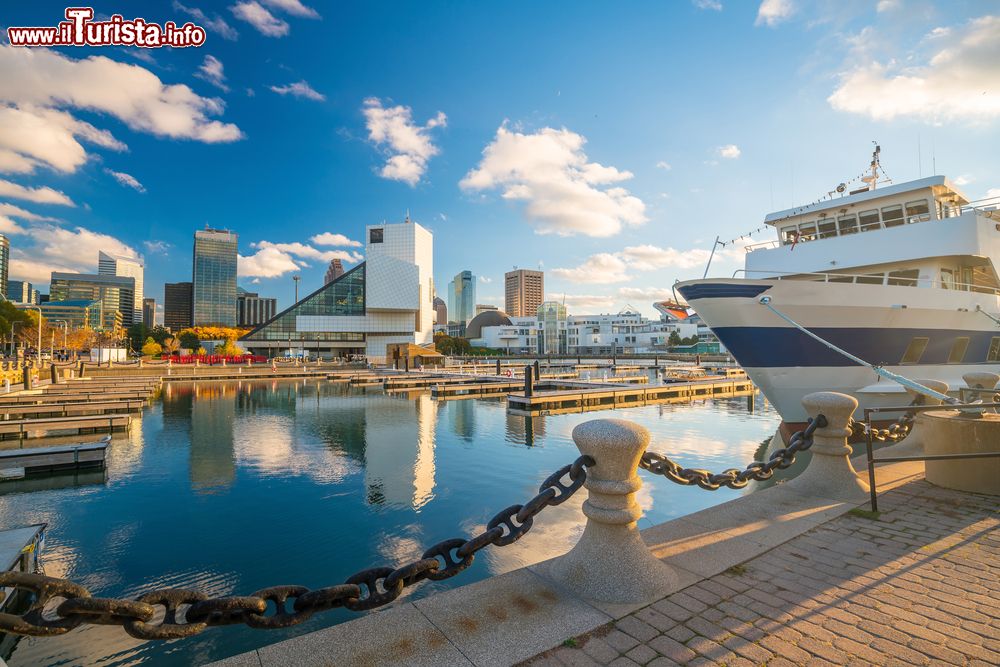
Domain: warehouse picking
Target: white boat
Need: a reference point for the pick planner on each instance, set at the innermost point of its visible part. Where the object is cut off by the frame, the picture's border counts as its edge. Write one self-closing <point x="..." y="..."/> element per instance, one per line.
<point x="902" y="276"/>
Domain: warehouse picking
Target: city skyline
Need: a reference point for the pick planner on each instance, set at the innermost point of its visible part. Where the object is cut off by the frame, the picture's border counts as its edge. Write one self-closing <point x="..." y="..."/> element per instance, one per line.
<point x="625" y="165"/>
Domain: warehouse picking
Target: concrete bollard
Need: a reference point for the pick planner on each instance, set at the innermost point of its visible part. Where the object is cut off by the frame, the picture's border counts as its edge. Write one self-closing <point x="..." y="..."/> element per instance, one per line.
<point x="611" y="563"/>
<point x="981" y="380"/>
<point x="913" y="443"/>
<point x="830" y="473"/>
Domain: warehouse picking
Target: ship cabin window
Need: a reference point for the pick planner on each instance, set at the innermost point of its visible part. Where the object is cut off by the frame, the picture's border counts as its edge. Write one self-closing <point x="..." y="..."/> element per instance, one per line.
<point x="869" y="220"/>
<point x="906" y="277"/>
<point x="827" y="228"/>
<point x="892" y="216"/>
<point x="915" y="350"/>
<point x="958" y="349"/>
<point x="871" y="279"/>
<point x="917" y="211"/>
<point x="807" y="232"/>
<point x="833" y="278"/>
<point x="947" y="279"/>
<point x="848" y="224"/>
<point x="994" y="352"/>
<point x="788" y="235"/>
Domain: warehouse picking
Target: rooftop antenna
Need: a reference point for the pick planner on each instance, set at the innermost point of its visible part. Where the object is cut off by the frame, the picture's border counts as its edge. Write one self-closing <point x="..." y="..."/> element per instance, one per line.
<point x="873" y="179"/>
<point x="407" y="215"/>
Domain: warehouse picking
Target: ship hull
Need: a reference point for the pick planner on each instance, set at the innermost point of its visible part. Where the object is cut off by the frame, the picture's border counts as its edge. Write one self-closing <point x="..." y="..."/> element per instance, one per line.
<point x="877" y="323"/>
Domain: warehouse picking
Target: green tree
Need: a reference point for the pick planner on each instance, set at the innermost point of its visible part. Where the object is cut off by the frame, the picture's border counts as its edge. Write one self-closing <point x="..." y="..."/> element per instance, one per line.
<point x="674" y="340"/>
<point x="229" y="349"/>
<point x="189" y="340"/>
<point x="137" y="335"/>
<point x="159" y="334"/>
<point x="151" y="348"/>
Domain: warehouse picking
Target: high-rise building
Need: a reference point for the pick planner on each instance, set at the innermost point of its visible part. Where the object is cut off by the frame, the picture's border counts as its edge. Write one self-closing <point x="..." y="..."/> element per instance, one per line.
<point x="21" y="291"/>
<point x="214" y="278"/>
<point x="149" y="312"/>
<point x="524" y="292"/>
<point x="253" y="309"/>
<point x="177" y="306"/>
<point x="130" y="267"/>
<point x="440" y="311"/>
<point x="4" y="263"/>
<point x="334" y="271"/>
<point x="112" y="293"/>
<point x="462" y="298"/>
<point x="483" y="307"/>
<point x="385" y="300"/>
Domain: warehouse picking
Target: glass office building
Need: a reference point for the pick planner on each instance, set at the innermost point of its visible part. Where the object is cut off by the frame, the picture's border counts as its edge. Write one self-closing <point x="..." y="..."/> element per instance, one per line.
<point x="112" y="294"/>
<point x="214" y="278"/>
<point x="462" y="298"/>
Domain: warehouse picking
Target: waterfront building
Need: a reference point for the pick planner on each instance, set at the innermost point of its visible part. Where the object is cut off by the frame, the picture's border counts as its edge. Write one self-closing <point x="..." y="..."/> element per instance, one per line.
<point x="483" y="307"/>
<point x="214" y="278"/>
<point x="80" y="314"/>
<point x="523" y="291"/>
<point x="440" y="311"/>
<point x="21" y="291"/>
<point x="130" y="267"/>
<point x="4" y="263"/>
<point x="513" y="335"/>
<point x="462" y="298"/>
<point x="552" y="338"/>
<point x="149" y="312"/>
<point x="386" y="299"/>
<point x="177" y="306"/>
<point x="113" y="293"/>
<point x="334" y="271"/>
<point x="253" y="309"/>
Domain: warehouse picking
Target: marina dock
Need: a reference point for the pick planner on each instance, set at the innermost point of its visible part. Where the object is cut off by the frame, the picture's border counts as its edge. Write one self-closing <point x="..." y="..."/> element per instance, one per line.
<point x="22" y="429"/>
<point x="16" y="463"/>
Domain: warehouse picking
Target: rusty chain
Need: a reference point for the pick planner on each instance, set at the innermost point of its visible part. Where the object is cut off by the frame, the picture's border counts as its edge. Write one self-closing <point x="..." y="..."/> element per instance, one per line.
<point x="734" y="478"/>
<point x="60" y="605"/>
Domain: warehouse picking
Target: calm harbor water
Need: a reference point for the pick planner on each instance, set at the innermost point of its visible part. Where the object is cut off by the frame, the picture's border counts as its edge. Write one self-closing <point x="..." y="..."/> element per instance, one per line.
<point x="232" y="487"/>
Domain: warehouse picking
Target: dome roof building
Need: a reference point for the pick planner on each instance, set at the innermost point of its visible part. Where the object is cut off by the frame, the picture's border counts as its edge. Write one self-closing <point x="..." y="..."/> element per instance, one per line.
<point x="487" y="318"/>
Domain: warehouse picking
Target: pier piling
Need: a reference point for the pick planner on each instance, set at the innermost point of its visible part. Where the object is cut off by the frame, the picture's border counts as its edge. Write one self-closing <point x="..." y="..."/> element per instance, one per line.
<point x="611" y="563"/>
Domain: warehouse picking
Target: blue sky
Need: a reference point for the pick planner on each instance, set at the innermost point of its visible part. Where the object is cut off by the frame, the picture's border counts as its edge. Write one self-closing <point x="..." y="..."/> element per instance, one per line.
<point x="608" y="142"/>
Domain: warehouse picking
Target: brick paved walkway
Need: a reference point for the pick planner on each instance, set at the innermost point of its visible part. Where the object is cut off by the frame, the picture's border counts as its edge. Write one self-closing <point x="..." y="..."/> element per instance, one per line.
<point x="918" y="585"/>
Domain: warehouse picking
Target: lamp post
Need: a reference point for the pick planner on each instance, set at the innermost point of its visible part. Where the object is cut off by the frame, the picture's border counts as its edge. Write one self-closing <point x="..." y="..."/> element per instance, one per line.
<point x="39" y="352"/>
<point x="65" y="336"/>
<point x="296" y="278"/>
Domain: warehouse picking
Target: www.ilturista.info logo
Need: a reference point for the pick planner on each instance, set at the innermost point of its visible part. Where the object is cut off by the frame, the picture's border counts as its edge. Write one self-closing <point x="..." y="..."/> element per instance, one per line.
<point x="81" y="30"/>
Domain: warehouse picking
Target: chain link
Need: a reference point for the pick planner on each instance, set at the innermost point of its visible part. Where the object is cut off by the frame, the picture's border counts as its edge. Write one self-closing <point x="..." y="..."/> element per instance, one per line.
<point x="734" y="478"/>
<point x="187" y="613"/>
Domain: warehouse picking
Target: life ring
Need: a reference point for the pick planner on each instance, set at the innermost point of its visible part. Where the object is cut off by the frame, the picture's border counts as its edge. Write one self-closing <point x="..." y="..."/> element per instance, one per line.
<point x="509" y="373"/>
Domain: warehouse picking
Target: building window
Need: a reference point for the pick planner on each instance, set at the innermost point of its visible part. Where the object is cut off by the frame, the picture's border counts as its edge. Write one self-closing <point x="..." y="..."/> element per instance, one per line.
<point x="947" y="279"/>
<point x="827" y="228"/>
<point x="994" y="352"/>
<point x="869" y="220"/>
<point x="807" y="231"/>
<point x="907" y="278"/>
<point x="871" y="279"/>
<point x="376" y="235"/>
<point x="917" y="211"/>
<point x="915" y="350"/>
<point x="848" y="224"/>
<point x="892" y="216"/>
<point x="958" y="349"/>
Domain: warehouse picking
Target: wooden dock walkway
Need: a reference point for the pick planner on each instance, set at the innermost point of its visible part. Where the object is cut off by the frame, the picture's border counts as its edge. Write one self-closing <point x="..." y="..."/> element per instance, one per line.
<point x="22" y="429"/>
<point x="604" y="397"/>
<point x="16" y="463"/>
<point x="69" y="409"/>
<point x="39" y="398"/>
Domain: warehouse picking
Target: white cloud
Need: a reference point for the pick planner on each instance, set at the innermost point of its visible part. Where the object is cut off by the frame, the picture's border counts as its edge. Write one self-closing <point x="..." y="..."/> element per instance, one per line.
<point x="211" y="71"/>
<point x="39" y="195"/>
<point x="600" y="268"/>
<point x="55" y="248"/>
<point x="18" y="212"/>
<point x="773" y="12"/>
<point x="256" y="15"/>
<point x="957" y="78"/>
<point x="126" y="179"/>
<point x="484" y="279"/>
<point x="328" y="238"/>
<point x="564" y="193"/>
<point x="293" y="7"/>
<point x="645" y="293"/>
<point x="299" y="89"/>
<point x="276" y="259"/>
<point x="887" y="5"/>
<point x="729" y="151"/>
<point x="663" y="165"/>
<point x="34" y="136"/>
<point x="409" y="145"/>
<point x="215" y="23"/>
<point x="308" y="252"/>
<point x="963" y="179"/>
<point x="157" y="247"/>
<point x="584" y="302"/>
<point x="650" y="257"/>
<point x="714" y="5"/>
<point x="43" y="78"/>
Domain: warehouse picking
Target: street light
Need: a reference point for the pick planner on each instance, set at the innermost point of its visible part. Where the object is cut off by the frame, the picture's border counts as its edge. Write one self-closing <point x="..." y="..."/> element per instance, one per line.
<point x="296" y="278"/>
<point x="29" y="307"/>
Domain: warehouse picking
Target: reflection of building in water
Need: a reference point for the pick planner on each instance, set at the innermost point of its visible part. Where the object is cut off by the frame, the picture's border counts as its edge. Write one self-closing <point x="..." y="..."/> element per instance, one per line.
<point x="463" y="419"/>
<point x="522" y="429"/>
<point x="399" y="451"/>
<point x="211" y="455"/>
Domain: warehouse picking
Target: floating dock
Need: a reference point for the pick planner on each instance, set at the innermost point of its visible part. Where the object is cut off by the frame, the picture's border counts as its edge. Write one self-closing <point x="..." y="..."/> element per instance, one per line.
<point x="69" y="409"/>
<point x="22" y="429"/>
<point x="16" y="463"/>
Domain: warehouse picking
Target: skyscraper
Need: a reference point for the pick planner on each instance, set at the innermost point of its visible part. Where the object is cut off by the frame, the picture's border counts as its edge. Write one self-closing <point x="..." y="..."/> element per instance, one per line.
<point x="4" y="263"/>
<point x="129" y="267"/>
<point x="462" y="298"/>
<point x="149" y="312"/>
<point x="214" y="278"/>
<point x="252" y="309"/>
<point x="335" y="270"/>
<point x="112" y="293"/>
<point x="440" y="311"/>
<point x="21" y="291"/>
<point x="524" y="292"/>
<point x="177" y="306"/>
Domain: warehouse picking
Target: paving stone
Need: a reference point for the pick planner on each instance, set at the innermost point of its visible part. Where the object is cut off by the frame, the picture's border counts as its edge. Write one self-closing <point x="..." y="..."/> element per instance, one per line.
<point x="622" y="662"/>
<point x="600" y="650"/>
<point x="620" y="641"/>
<point x="671" y="649"/>
<point x="641" y="654"/>
<point x="637" y="628"/>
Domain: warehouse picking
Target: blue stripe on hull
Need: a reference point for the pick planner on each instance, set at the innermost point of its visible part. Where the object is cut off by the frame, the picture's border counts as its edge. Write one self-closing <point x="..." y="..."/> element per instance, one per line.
<point x="782" y="347"/>
<point x="721" y="290"/>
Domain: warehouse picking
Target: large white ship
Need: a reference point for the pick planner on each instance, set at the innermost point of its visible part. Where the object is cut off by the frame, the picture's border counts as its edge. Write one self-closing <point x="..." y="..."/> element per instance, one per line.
<point x="902" y="276"/>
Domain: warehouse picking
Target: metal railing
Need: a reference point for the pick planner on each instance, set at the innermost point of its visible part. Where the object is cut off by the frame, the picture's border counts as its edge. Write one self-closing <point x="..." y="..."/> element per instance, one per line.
<point x="870" y="430"/>
<point x="912" y="282"/>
